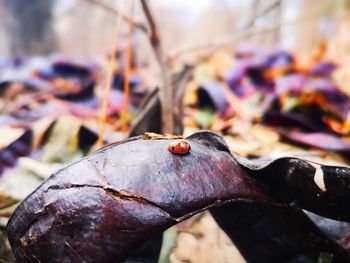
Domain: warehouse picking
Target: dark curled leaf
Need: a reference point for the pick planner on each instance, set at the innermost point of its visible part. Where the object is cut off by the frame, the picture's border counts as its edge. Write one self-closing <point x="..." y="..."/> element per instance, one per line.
<point x="290" y="119"/>
<point x="149" y="252"/>
<point x="17" y="148"/>
<point x="211" y="94"/>
<point x="268" y="233"/>
<point x="104" y="207"/>
<point x="149" y="117"/>
<point x="337" y="230"/>
<point x="69" y="69"/>
<point x="87" y="137"/>
<point x="318" y="188"/>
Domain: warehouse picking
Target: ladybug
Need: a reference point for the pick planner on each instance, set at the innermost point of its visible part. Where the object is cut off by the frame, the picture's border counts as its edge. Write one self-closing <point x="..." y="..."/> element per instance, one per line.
<point x="179" y="147"/>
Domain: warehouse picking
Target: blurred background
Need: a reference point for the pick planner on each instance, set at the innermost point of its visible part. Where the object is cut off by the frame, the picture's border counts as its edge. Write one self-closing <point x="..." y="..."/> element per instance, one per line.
<point x="80" y="29"/>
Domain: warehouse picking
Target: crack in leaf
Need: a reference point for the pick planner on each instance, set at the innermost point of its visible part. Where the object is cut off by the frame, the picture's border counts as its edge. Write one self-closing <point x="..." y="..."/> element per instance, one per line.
<point x="115" y="194"/>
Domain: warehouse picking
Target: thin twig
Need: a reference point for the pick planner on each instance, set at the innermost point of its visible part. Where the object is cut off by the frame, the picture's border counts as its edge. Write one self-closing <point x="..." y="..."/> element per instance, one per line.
<point x="128" y="50"/>
<point x="109" y="81"/>
<point x="263" y="12"/>
<point x="166" y="91"/>
<point x="222" y="41"/>
<point x="116" y="11"/>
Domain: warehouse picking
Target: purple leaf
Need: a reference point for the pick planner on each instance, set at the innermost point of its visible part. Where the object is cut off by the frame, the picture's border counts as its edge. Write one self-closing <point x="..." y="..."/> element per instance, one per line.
<point x="320" y="140"/>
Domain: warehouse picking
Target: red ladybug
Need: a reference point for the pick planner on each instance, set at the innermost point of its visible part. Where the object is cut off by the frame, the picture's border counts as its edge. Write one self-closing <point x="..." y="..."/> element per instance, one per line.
<point x="179" y="147"/>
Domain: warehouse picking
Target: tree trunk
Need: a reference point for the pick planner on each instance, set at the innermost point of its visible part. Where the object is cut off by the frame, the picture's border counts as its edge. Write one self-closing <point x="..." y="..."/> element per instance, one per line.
<point x="29" y="27"/>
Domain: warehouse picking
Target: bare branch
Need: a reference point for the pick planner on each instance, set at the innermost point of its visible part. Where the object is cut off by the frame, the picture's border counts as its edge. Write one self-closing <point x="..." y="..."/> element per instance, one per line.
<point x="112" y="9"/>
<point x="166" y="91"/>
<point x="109" y="81"/>
<point x="263" y="12"/>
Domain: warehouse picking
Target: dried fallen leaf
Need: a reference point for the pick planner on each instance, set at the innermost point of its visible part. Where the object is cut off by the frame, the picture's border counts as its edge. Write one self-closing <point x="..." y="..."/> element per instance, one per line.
<point x="104" y="207"/>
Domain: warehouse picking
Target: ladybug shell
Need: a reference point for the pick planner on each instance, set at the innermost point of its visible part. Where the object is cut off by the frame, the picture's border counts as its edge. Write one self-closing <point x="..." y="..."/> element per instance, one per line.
<point x="179" y="147"/>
